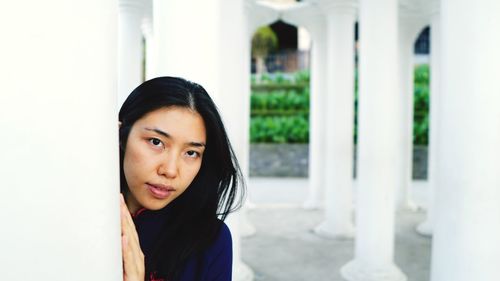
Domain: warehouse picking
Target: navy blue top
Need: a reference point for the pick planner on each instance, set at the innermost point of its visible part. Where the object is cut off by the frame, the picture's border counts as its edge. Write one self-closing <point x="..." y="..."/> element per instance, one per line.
<point x="217" y="259"/>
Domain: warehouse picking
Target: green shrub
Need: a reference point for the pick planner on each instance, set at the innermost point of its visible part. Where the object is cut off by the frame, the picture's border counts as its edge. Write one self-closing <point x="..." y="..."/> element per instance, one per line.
<point x="299" y="78"/>
<point x="279" y="129"/>
<point x="302" y="77"/>
<point x="280" y="108"/>
<point x="279" y="102"/>
<point x="422" y="74"/>
<point x="421" y="105"/>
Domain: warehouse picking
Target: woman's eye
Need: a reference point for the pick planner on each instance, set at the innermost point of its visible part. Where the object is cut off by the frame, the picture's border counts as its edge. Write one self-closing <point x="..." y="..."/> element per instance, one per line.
<point x="156" y="142"/>
<point x="192" y="154"/>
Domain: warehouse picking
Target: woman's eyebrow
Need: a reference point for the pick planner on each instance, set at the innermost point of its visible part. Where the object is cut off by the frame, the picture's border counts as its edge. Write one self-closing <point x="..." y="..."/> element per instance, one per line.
<point x="167" y="135"/>
<point x="197" y="144"/>
<point x="160" y="132"/>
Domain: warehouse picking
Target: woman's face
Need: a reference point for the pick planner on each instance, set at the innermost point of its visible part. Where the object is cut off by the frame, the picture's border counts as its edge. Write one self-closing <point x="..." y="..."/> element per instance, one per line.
<point x="162" y="156"/>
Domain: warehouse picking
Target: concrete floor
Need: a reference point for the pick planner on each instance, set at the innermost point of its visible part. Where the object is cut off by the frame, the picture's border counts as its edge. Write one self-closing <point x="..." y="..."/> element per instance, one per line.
<point x="285" y="248"/>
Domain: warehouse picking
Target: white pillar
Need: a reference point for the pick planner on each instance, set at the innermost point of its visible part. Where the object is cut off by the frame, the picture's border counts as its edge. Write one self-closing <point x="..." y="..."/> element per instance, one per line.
<point x="234" y="104"/>
<point x="304" y="39"/>
<point x="425" y="228"/>
<point x="313" y="18"/>
<point x="237" y="61"/>
<point x="466" y="238"/>
<point x="59" y="144"/>
<point x="317" y="114"/>
<point x="379" y="108"/>
<point x="339" y="122"/>
<point x="148" y="33"/>
<point x="187" y="34"/>
<point x="129" y="47"/>
<point x="241" y="271"/>
<point x="408" y="31"/>
<point x="249" y="15"/>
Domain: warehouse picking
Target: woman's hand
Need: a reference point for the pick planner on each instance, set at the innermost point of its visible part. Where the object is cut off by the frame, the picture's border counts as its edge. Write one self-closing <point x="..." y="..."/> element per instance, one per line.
<point x="132" y="256"/>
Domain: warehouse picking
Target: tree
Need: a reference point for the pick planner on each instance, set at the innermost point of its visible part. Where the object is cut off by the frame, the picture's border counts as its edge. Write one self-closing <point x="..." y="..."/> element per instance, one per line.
<point x="263" y="42"/>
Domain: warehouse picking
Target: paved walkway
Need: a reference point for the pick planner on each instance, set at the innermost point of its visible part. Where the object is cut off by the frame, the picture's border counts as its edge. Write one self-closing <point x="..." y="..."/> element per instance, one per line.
<point x="284" y="247"/>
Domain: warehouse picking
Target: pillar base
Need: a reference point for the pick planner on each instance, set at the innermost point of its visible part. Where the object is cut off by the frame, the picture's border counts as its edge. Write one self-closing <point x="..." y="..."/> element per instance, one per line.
<point x="357" y="271"/>
<point x="246" y="227"/>
<point x="242" y="272"/>
<point x="424" y="229"/>
<point x="408" y="205"/>
<point x="326" y="230"/>
<point x="250" y="205"/>
<point x="313" y="202"/>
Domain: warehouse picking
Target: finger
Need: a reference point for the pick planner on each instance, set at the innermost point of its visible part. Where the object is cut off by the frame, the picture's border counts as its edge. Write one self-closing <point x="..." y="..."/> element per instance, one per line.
<point x="125" y="209"/>
<point x="127" y="258"/>
<point x="129" y="222"/>
<point x="125" y="213"/>
<point x="133" y="260"/>
<point x="124" y="242"/>
<point x="128" y="225"/>
<point x="132" y="256"/>
<point x="123" y="218"/>
<point x="131" y="246"/>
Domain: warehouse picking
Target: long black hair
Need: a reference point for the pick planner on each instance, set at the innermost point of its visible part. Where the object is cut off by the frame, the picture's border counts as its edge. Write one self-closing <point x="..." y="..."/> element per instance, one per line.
<point x="213" y="192"/>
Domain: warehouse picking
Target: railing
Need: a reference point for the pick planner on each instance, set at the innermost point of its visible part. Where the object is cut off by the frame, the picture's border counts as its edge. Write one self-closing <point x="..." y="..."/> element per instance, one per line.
<point x="286" y="61"/>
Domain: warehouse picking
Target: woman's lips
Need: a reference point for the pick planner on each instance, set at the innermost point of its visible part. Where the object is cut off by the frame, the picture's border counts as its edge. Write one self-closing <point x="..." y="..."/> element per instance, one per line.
<point x="160" y="191"/>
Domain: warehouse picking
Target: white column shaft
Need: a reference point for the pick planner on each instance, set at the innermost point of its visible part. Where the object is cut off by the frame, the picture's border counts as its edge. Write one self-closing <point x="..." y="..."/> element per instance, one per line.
<point x="187" y="36"/>
<point x="379" y="109"/>
<point x="379" y="131"/>
<point x="241" y="271"/>
<point x="150" y="56"/>
<point x="426" y="227"/>
<point x="313" y="18"/>
<point x="129" y="47"/>
<point x="234" y="103"/>
<point x="405" y="154"/>
<point x="304" y="39"/>
<point x="151" y="48"/>
<point x="235" y="89"/>
<point x="317" y="113"/>
<point x="235" y="85"/>
<point x="467" y="224"/>
<point x="59" y="144"/>
<point x="339" y="123"/>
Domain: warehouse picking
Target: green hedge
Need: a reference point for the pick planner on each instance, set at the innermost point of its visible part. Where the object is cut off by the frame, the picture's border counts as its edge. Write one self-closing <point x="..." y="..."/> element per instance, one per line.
<point x="297" y="78"/>
<point x="279" y="129"/>
<point x="279" y="102"/>
<point x="421" y="106"/>
<point x="280" y="108"/>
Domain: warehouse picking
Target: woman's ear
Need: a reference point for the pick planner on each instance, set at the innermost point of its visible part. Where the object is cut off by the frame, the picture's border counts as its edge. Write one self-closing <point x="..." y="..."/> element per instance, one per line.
<point x="119" y="124"/>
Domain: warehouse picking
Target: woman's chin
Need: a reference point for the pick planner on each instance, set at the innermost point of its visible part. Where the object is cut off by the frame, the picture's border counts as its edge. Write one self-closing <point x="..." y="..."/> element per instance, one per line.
<point x="155" y="205"/>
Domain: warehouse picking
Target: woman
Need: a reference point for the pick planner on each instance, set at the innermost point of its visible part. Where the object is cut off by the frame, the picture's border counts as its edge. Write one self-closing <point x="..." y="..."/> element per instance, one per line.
<point x="179" y="179"/>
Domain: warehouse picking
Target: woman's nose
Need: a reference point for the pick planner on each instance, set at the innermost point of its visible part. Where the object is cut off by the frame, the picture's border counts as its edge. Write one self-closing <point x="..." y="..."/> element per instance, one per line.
<point x="168" y="166"/>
